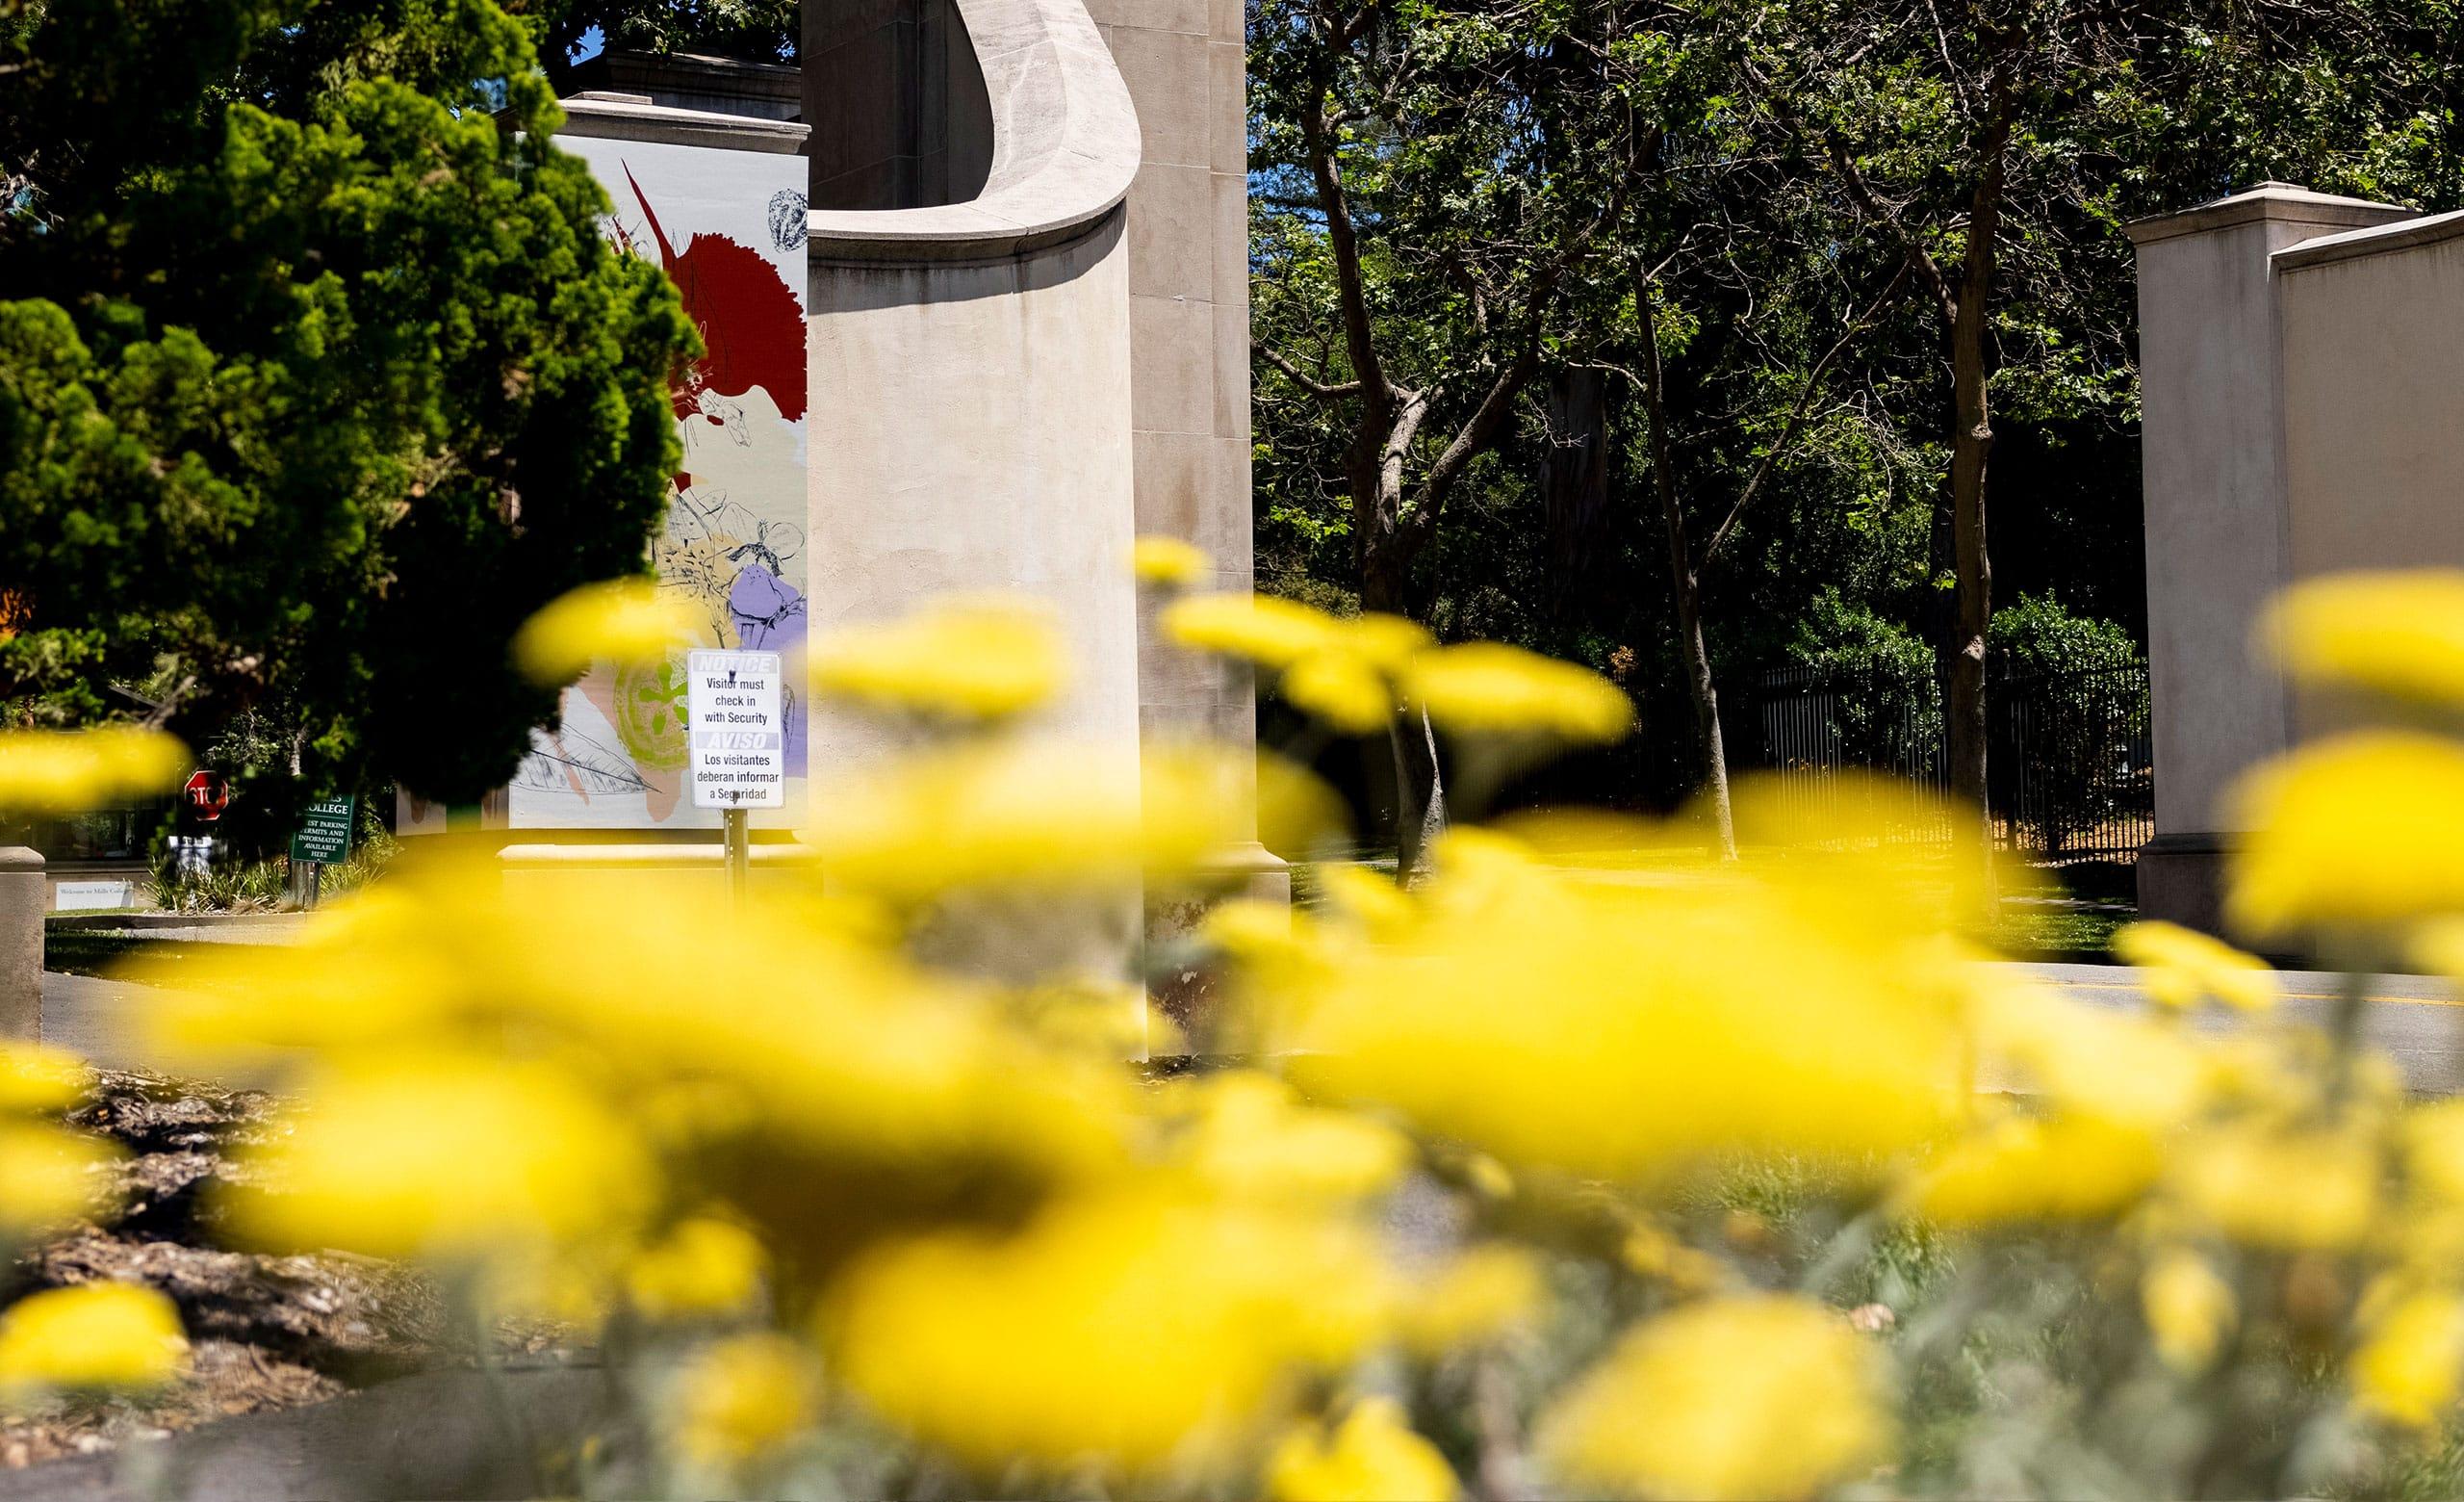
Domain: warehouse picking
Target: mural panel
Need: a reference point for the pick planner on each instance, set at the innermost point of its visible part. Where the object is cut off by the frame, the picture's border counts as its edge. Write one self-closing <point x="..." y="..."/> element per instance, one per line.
<point x="728" y="227"/>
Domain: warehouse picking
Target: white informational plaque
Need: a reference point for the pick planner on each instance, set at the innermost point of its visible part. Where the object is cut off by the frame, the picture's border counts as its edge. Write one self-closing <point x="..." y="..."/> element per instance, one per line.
<point x="739" y="740"/>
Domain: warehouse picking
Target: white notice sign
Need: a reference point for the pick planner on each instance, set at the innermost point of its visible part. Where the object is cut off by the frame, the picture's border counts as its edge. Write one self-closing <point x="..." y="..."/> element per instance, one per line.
<point x="739" y="740"/>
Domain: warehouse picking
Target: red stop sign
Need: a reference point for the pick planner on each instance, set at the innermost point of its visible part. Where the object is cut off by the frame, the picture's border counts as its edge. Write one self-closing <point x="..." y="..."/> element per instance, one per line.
<point x="207" y="794"/>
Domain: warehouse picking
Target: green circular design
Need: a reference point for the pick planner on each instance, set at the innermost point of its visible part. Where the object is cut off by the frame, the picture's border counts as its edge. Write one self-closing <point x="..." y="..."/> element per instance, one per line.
<point x="650" y="714"/>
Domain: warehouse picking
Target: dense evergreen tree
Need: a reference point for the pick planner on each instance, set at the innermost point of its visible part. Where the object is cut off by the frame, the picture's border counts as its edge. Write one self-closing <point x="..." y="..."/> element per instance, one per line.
<point x="317" y="376"/>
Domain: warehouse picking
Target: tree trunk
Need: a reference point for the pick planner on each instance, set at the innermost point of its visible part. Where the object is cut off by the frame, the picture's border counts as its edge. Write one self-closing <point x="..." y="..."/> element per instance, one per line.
<point x="1420" y="799"/>
<point x="1707" y="716"/>
<point x="1971" y="441"/>
<point x="1685" y="585"/>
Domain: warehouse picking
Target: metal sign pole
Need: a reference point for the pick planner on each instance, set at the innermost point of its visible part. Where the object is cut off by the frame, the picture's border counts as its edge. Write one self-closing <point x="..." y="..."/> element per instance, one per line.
<point x="739" y="853"/>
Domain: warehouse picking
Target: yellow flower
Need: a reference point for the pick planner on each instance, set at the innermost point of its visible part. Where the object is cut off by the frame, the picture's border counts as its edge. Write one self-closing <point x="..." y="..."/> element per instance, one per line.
<point x="1386" y="642"/>
<point x="1621" y="1031"/>
<point x="2184" y="966"/>
<point x="2188" y="1307"/>
<point x="1485" y="688"/>
<point x="2361" y="832"/>
<point x="617" y="620"/>
<point x="1137" y="1328"/>
<point x="53" y="772"/>
<point x="981" y="660"/>
<point x="1760" y="1396"/>
<point x="744" y="1397"/>
<point x="700" y="1266"/>
<point x="2433" y="1141"/>
<point x="1342" y="688"/>
<point x="34" y="1079"/>
<point x="2091" y="1062"/>
<point x="88" y="1337"/>
<point x="2399" y="633"/>
<point x="2406" y="1370"/>
<point x="48" y="1175"/>
<point x="1475" y="1296"/>
<point x="449" y="1155"/>
<point x="2274" y="1187"/>
<point x="2021" y="1168"/>
<point x="1266" y="629"/>
<point x="1169" y="563"/>
<point x="1023" y="815"/>
<point x="1372" y="1456"/>
<point x="1251" y="1138"/>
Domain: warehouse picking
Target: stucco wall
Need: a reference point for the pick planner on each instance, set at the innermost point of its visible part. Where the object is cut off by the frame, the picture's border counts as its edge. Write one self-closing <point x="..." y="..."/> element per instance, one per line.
<point x="2214" y="390"/>
<point x="1185" y="63"/>
<point x="972" y="435"/>
<point x="2374" y="404"/>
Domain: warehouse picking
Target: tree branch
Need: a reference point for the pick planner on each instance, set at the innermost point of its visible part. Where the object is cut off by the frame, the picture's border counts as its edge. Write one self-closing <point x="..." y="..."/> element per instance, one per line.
<point x="1873" y="208"/>
<point x="1294" y="375"/>
<point x="1771" y="457"/>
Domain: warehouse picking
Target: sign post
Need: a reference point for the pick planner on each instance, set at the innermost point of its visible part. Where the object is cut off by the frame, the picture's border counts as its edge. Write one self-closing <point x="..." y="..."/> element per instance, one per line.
<point x="739" y="744"/>
<point x="323" y="835"/>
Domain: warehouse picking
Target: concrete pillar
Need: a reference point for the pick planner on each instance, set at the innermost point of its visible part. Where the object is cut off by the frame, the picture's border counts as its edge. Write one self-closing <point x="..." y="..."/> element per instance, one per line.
<point x="24" y="895"/>
<point x="2212" y="395"/>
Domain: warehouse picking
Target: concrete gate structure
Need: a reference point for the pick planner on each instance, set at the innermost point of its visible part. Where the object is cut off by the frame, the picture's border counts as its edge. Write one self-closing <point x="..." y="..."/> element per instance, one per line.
<point x="1023" y="234"/>
<point x="2301" y="380"/>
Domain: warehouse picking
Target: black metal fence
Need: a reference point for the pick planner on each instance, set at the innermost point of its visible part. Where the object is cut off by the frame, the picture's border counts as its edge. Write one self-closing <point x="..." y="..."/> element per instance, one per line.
<point x="2068" y="764"/>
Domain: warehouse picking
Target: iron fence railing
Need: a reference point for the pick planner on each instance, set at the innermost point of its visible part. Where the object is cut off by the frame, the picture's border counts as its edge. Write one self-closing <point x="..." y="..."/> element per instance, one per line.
<point x="2070" y="770"/>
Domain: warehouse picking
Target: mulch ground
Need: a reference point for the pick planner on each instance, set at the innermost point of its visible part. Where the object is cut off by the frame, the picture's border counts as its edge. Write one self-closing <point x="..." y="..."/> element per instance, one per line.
<point x="266" y="1332"/>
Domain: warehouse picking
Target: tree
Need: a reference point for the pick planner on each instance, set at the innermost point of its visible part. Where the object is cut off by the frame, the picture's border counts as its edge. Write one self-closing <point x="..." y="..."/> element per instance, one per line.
<point x="763" y="31"/>
<point x="317" y="376"/>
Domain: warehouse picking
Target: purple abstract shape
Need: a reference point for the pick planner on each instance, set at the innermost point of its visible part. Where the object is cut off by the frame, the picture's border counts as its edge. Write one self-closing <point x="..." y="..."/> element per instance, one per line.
<point x="769" y="616"/>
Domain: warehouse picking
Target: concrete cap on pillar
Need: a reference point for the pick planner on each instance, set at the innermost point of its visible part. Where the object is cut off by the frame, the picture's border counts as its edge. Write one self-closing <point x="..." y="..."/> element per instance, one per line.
<point x="2268" y="200"/>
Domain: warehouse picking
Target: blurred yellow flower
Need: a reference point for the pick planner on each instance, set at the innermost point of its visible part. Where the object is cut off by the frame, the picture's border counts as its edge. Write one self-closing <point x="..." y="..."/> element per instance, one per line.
<point x="1250" y="1138"/>
<point x="1472" y="1298"/>
<point x="1139" y="1327"/>
<point x="1170" y="562"/>
<point x="46" y="772"/>
<point x="94" y="1335"/>
<point x="1621" y="1031"/>
<point x="39" y="1079"/>
<point x="1385" y="642"/>
<point x="617" y="620"/>
<point x="1760" y="1396"/>
<point x="1268" y="631"/>
<point x="2408" y="1364"/>
<point x="700" y="1266"/>
<point x="1372" y="1456"/>
<point x="2397" y="631"/>
<point x="2363" y="832"/>
<point x="2188" y="1307"/>
<point x="48" y="1175"/>
<point x="2089" y="1061"/>
<point x="1486" y="688"/>
<point x="744" y="1397"/>
<point x="2272" y="1186"/>
<point x="2025" y="1167"/>
<point x="447" y="1155"/>
<point x="979" y="659"/>
<point x="1342" y="688"/>
<point x="2185" y="966"/>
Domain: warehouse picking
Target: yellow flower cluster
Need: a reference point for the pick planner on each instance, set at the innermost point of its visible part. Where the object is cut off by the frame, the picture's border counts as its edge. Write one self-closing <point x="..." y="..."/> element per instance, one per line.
<point x="619" y="620"/>
<point x="971" y="659"/>
<point x="1353" y="673"/>
<point x="53" y="772"/>
<point x="878" y="1160"/>
<point x="92" y="1336"/>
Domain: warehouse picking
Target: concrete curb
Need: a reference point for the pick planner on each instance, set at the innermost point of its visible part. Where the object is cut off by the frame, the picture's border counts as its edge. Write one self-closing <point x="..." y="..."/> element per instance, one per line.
<point x="444" y="1435"/>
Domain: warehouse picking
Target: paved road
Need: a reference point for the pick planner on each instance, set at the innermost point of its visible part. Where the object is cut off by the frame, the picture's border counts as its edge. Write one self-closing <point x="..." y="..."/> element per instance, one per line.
<point x="2416" y="1020"/>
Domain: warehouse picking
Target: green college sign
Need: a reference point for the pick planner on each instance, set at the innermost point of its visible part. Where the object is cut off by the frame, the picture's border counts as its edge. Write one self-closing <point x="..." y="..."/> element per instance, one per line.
<point x="325" y="833"/>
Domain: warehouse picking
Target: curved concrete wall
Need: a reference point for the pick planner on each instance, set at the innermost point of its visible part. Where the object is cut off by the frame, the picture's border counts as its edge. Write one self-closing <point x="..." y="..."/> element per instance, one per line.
<point x="970" y="376"/>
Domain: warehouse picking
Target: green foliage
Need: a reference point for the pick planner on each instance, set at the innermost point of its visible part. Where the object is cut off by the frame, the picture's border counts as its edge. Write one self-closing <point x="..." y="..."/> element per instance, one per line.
<point x="763" y="31"/>
<point x="1500" y="137"/>
<point x="2035" y="636"/>
<point x="315" y="377"/>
